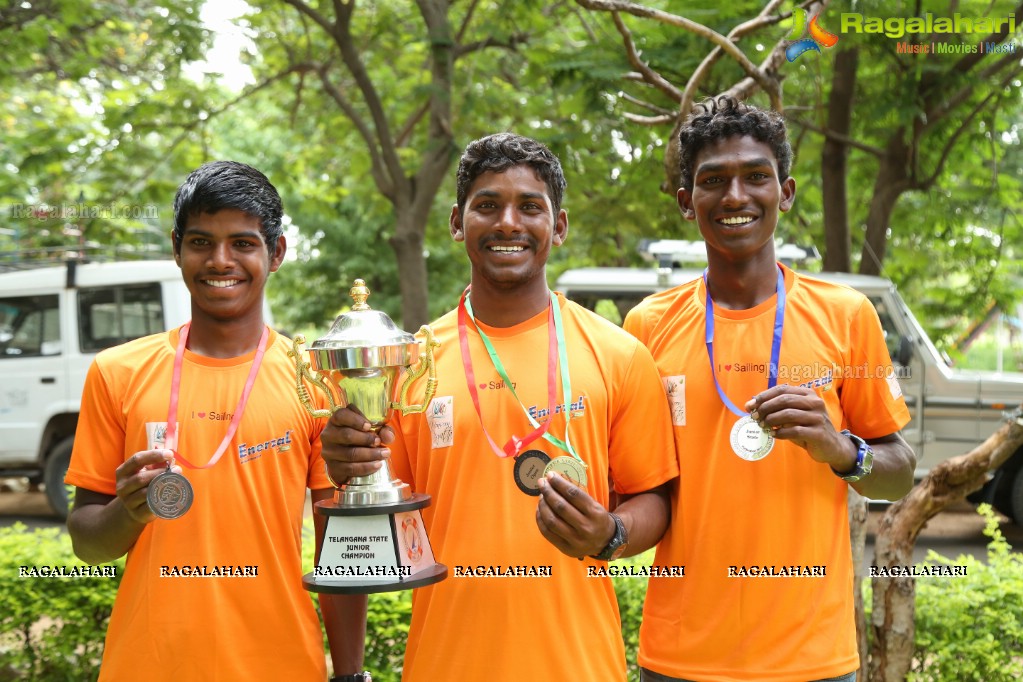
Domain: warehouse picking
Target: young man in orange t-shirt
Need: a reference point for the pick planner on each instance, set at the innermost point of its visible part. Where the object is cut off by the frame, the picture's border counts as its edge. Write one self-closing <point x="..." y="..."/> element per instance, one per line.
<point x="212" y="584"/>
<point x="782" y="394"/>
<point x="528" y="595"/>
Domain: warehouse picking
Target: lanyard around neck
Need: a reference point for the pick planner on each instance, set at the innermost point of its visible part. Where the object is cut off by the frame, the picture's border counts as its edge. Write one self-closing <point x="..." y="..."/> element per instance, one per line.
<point x="779" y="323"/>
<point x="170" y="440"/>
<point x="556" y="353"/>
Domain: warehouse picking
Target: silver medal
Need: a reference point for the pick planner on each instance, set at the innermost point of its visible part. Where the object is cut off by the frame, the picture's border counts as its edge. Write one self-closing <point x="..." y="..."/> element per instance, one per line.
<point x="750" y="441"/>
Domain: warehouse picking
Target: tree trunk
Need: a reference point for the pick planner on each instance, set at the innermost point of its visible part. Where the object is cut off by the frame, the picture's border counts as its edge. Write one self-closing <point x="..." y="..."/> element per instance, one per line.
<point x="951" y="481"/>
<point x="407" y="244"/>
<point x="892" y="180"/>
<point x="837" y="243"/>
<point x="858" y="541"/>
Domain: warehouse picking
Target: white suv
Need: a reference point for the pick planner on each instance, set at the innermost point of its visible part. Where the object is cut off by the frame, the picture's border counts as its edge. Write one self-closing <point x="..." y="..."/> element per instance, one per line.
<point x="952" y="410"/>
<point x="53" y="321"/>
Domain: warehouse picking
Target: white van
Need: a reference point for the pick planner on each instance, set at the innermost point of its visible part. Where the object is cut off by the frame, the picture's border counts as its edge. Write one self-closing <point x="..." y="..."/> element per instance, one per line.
<point x="53" y="321"/>
<point x="952" y="410"/>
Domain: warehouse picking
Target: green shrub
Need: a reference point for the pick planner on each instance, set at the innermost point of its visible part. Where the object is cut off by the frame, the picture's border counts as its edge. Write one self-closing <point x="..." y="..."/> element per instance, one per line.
<point x="971" y="627"/>
<point x="50" y="628"/>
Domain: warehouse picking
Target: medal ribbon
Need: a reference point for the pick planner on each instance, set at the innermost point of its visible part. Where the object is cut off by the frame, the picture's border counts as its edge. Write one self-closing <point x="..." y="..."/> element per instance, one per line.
<point x="515" y="445"/>
<point x="779" y="323"/>
<point x="170" y="439"/>
<point x="566" y="382"/>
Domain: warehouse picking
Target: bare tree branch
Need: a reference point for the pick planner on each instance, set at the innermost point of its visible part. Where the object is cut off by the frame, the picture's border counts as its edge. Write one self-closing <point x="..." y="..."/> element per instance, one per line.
<point x="645" y="105"/>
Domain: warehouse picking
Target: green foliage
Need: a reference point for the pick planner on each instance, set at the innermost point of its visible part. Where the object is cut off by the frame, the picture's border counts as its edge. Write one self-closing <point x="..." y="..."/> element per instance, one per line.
<point x="50" y="628"/>
<point x="971" y="627"/>
<point x="631" y="592"/>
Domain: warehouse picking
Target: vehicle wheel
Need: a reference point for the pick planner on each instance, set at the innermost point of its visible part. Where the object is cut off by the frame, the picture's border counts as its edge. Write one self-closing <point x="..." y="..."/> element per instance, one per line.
<point x="60" y="496"/>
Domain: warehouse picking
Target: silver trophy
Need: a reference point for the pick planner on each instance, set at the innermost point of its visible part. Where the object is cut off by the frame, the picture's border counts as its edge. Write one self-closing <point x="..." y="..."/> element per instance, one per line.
<point x="374" y="538"/>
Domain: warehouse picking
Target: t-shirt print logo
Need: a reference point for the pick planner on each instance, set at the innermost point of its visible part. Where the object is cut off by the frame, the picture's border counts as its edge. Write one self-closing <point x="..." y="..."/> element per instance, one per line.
<point x="675" y="389"/>
<point x="440" y="416"/>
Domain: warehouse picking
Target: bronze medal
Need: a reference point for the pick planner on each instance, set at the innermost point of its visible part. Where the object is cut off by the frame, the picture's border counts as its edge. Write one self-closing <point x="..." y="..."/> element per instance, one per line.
<point x="569" y="467"/>
<point x="529" y="468"/>
<point x="169" y="495"/>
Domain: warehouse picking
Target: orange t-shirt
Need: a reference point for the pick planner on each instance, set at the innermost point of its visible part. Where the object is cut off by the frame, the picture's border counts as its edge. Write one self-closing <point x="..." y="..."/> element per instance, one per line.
<point x="736" y="522"/>
<point x="565" y="626"/>
<point x="246" y="516"/>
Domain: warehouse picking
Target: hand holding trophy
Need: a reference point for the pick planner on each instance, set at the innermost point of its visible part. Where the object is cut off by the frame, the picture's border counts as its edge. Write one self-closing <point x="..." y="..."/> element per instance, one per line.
<point x="374" y="538"/>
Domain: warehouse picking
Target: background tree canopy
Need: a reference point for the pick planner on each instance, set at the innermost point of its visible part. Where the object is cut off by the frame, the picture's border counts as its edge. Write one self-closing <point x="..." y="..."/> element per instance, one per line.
<point x="907" y="164"/>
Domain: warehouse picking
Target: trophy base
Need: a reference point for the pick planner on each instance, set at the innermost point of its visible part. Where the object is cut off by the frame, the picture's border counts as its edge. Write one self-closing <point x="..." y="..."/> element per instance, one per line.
<point x="374" y="548"/>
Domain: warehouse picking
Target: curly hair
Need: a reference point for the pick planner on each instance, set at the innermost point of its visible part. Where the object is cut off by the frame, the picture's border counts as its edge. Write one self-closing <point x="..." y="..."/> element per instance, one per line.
<point x="499" y="152"/>
<point x="723" y="117"/>
<point x="229" y="184"/>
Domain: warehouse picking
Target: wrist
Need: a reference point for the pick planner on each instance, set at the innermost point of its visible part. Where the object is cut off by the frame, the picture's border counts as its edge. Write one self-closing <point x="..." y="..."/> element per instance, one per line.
<point x="619" y="541"/>
<point x="846" y="462"/>
<point x="864" y="459"/>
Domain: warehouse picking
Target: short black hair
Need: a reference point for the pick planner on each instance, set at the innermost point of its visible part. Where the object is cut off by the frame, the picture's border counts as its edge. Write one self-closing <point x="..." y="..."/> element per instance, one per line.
<point x="723" y="117"/>
<point x="228" y="184"/>
<point x="499" y="152"/>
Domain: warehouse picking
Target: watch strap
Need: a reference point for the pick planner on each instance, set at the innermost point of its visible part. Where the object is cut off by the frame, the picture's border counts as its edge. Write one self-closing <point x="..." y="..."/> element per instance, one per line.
<point x="864" y="459"/>
<point x="618" y="540"/>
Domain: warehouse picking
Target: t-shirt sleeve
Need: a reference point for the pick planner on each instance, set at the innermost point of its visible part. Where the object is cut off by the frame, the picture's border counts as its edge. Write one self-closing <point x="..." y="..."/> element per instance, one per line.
<point x="634" y="324"/>
<point x="872" y="403"/>
<point x="317" y="478"/>
<point x="641" y="449"/>
<point x="99" y="437"/>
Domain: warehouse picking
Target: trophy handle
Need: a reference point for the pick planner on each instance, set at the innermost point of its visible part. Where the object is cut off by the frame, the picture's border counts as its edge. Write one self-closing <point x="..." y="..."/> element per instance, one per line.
<point x="425" y="366"/>
<point x="302" y="371"/>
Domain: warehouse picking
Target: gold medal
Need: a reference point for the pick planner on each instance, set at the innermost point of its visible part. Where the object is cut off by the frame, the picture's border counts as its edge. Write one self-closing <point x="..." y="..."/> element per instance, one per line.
<point x="750" y="441"/>
<point x="569" y="467"/>
<point x="529" y="467"/>
<point x="169" y="495"/>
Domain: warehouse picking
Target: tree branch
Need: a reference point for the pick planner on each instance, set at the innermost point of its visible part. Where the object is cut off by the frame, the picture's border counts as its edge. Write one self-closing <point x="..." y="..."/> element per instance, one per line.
<point x="649" y="75"/>
<point x="832" y="135"/>
<point x="947" y="150"/>
<point x="377" y="164"/>
<point x="693" y="27"/>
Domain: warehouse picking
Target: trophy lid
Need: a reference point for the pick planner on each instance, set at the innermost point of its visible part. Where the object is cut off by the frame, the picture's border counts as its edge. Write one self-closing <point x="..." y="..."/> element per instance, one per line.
<point x="363" y="338"/>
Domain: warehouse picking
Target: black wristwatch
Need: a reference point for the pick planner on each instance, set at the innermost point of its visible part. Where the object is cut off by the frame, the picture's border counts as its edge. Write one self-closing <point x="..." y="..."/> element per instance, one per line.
<point x="616" y="546"/>
<point x="357" y="677"/>
<point x="864" y="459"/>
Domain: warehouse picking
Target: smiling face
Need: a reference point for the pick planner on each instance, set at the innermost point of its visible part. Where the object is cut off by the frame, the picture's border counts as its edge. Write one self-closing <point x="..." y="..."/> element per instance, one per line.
<point x="225" y="262"/>
<point x="736" y="198"/>
<point x="509" y="226"/>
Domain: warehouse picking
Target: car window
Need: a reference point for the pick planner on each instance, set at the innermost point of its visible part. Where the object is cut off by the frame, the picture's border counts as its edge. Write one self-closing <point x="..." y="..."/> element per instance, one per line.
<point x="108" y="316"/>
<point x="892" y="337"/>
<point x="29" y="326"/>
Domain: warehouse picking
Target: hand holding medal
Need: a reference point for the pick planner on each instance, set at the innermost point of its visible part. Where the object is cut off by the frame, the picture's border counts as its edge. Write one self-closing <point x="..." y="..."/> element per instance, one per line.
<point x="570" y="519"/>
<point x="750" y="440"/>
<point x="135" y="477"/>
